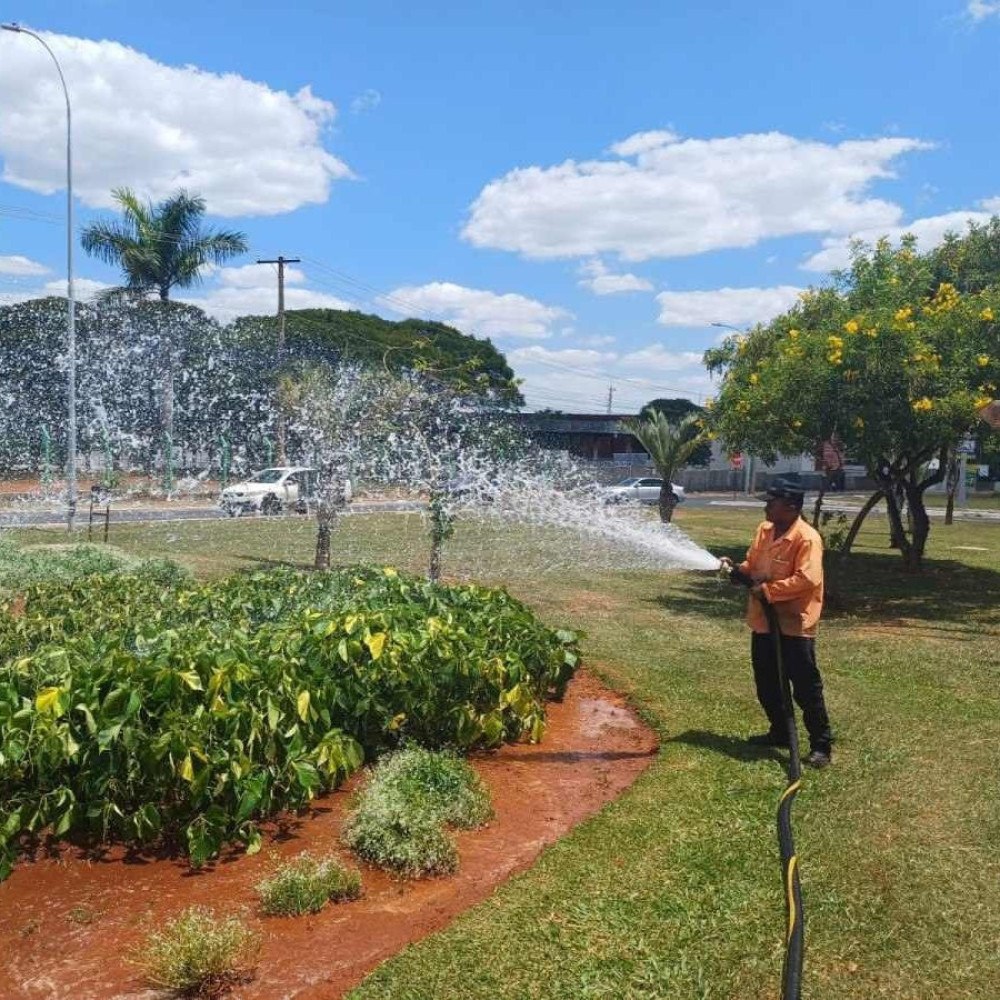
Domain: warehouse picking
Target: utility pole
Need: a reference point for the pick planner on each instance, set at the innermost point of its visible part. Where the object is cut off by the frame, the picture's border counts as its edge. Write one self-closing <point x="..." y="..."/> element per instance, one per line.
<point x="611" y="394"/>
<point x="281" y="262"/>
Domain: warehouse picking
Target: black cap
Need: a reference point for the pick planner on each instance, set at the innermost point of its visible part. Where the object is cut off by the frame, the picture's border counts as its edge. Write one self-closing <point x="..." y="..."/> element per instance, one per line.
<point x="780" y="489"/>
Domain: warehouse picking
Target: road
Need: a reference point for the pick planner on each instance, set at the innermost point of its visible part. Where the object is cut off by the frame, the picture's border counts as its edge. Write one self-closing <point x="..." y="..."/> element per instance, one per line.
<point x="26" y="518"/>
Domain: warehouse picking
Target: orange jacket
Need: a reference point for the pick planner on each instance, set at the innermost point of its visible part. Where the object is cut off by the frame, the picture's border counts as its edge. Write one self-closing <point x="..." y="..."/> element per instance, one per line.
<point x="793" y="568"/>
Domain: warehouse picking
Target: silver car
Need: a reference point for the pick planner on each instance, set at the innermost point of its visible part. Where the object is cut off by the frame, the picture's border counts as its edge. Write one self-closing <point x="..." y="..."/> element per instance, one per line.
<point x="639" y="489"/>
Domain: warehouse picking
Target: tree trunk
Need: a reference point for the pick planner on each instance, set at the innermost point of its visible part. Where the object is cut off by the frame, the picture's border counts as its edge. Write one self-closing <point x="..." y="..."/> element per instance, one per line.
<point x="668" y="501"/>
<point x="869" y="506"/>
<point x="953" y="471"/>
<point x="434" y="570"/>
<point x="324" y="530"/>
<point x="818" y="509"/>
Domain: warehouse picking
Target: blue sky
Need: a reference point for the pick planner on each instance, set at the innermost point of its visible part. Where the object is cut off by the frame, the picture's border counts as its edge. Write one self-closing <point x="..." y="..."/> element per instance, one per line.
<point x="592" y="185"/>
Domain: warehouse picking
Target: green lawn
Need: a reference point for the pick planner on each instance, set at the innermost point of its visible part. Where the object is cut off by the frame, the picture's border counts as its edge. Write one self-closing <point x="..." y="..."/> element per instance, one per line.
<point x="674" y="890"/>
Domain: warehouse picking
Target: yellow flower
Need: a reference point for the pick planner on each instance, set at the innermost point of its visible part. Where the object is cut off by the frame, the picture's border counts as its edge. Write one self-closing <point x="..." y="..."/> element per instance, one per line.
<point x="872" y="331"/>
<point x="796" y="424"/>
<point x="851" y="326"/>
<point x="982" y="360"/>
<point x="859" y="423"/>
<point x="923" y="404"/>
<point x="902" y="315"/>
<point x="982" y="401"/>
<point x="987" y="314"/>
<point x="709" y="403"/>
<point x="754" y="378"/>
<point x="835" y="342"/>
<point x="794" y="334"/>
<point x="835" y="358"/>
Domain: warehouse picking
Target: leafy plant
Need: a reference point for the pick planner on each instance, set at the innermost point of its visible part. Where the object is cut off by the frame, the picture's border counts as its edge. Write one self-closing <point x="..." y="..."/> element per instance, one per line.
<point x="186" y="713"/>
<point x="406" y="805"/>
<point x="198" y="953"/>
<point x="305" y="885"/>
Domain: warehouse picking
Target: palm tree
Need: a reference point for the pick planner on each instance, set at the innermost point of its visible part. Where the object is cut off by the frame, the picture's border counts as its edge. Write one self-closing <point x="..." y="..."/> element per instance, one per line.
<point x="160" y="247"/>
<point x="670" y="445"/>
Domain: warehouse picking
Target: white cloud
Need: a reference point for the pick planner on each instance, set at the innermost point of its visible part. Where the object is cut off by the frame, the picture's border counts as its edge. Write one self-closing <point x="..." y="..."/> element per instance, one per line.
<point x="596" y="341"/>
<point x="84" y="290"/>
<point x="602" y="282"/>
<point x="21" y="267"/>
<point x="733" y="306"/>
<point x="577" y="380"/>
<point x="476" y="311"/>
<point x="978" y="10"/>
<point x="643" y="142"/>
<point x="248" y="149"/>
<point x="367" y="100"/>
<point x="930" y="231"/>
<point x="688" y="197"/>
<point x="656" y="357"/>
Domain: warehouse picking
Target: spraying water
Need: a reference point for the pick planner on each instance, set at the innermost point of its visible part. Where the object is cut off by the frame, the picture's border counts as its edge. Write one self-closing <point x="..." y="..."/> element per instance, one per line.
<point x="172" y="404"/>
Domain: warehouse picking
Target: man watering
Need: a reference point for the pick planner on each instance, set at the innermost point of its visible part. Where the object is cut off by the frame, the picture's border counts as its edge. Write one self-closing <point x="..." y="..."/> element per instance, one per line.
<point x="785" y="563"/>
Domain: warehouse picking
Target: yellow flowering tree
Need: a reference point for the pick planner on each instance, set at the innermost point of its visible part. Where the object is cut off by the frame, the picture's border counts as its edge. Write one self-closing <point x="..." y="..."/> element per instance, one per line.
<point x="894" y="361"/>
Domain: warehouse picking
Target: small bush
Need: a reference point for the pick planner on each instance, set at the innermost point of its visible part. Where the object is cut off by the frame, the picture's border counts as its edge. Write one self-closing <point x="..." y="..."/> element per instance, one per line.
<point x="402" y="812"/>
<point x="24" y="567"/>
<point x="305" y="884"/>
<point x="198" y="953"/>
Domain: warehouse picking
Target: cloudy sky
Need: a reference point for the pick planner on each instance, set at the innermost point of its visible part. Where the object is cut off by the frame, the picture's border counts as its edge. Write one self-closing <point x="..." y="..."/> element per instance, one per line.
<point x="592" y="186"/>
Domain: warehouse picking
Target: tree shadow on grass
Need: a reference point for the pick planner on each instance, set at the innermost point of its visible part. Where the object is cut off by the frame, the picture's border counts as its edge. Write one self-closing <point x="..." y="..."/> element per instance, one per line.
<point x="948" y="598"/>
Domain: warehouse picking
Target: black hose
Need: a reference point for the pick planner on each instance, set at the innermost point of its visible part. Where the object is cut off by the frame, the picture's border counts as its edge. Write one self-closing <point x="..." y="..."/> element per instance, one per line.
<point x="791" y="973"/>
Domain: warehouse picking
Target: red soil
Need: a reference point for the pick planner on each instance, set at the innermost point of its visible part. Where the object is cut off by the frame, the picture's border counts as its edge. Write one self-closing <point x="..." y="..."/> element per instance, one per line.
<point x="68" y="921"/>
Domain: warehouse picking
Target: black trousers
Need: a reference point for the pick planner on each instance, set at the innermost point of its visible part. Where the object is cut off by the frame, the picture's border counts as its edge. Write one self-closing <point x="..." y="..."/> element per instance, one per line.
<point x="799" y="657"/>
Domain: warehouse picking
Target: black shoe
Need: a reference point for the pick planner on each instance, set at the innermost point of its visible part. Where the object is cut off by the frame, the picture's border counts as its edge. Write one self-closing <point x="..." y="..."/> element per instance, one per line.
<point x="768" y="739"/>
<point x="818" y="759"/>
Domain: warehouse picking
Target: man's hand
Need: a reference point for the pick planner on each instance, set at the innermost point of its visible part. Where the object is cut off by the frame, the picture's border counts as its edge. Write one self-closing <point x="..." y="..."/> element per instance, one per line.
<point x="759" y="577"/>
<point x="758" y="590"/>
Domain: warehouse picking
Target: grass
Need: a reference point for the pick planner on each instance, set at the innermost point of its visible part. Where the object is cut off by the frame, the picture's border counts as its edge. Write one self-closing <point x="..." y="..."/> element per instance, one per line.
<point x="22" y="567"/>
<point x="306" y="884"/>
<point x="198" y="953"/>
<point x="405" y="807"/>
<point x="673" y="891"/>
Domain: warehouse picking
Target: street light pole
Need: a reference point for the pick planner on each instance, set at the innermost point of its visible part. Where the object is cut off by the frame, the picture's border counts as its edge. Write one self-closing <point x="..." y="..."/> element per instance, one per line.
<point x="71" y="486"/>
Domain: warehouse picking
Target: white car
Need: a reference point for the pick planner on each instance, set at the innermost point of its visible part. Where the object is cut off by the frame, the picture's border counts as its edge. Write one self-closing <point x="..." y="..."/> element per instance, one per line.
<point x="639" y="489"/>
<point x="270" y="491"/>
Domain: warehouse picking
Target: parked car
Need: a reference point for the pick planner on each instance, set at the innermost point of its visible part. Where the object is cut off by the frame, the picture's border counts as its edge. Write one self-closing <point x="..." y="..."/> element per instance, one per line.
<point x="639" y="490"/>
<point x="271" y="491"/>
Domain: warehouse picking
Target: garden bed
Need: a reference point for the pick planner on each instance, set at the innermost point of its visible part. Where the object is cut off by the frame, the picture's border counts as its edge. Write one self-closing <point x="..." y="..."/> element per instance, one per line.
<point x="69" y="917"/>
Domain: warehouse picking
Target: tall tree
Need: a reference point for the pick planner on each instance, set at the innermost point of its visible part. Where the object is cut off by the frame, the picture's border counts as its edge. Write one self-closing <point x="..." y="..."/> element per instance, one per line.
<point x="670" y="445"/>
<point x="160" y="247"/>
<point x="893" y="361"/>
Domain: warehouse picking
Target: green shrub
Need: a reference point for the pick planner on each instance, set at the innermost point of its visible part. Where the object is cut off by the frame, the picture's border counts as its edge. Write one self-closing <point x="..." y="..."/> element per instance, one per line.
<point x="21" y="568"/>
<point x="402" y="813"/>
<point x="133" y="709"/>
<point x="198" y="953"/>
<point x="305" y="885"/>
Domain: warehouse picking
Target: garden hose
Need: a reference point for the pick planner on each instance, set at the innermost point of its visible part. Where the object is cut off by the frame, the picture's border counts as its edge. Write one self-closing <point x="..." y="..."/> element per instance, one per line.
<point x="791" y="973"/>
